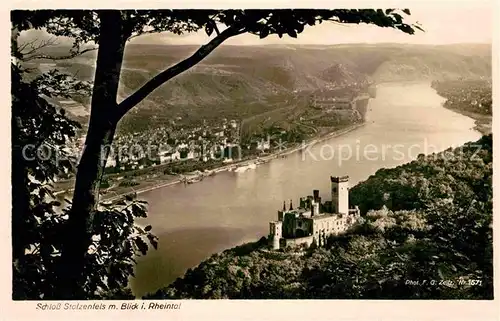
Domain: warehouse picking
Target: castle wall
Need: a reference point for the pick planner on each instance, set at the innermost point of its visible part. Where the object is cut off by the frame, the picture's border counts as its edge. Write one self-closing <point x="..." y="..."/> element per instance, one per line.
<point x="319" y="227"/>
<point x="308" y="240"/>
<point x="303" y="227"/>
<point x="275" y="231"/>
<point x="288" y="225"/>
<point x="296" y="226"/>
<point x="325" y="226"/>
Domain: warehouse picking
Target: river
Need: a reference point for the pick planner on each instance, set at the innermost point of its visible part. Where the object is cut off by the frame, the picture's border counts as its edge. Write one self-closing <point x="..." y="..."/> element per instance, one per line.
<point x="228" y="209"/>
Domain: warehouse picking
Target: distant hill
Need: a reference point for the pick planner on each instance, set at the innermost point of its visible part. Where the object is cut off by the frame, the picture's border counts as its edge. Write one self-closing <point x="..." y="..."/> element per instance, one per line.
<point x="436" y="63"/>
<point x="342" y="75"/>
<point x="244" y="81"/>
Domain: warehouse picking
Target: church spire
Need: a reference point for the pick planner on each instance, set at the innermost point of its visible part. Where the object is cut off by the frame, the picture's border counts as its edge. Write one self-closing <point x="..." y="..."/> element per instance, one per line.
<point x="291" y="207"/>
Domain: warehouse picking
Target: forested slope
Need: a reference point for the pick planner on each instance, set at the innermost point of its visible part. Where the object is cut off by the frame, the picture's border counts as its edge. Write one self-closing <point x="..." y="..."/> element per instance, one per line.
<point x="429" y="220"/>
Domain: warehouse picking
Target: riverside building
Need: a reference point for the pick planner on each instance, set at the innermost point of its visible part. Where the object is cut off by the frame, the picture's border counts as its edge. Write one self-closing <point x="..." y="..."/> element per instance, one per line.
<point x="313" y="221"/>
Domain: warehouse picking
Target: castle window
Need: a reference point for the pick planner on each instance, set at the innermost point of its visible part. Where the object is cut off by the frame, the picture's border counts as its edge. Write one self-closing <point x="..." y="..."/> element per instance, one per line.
<point x="335" y="190"/>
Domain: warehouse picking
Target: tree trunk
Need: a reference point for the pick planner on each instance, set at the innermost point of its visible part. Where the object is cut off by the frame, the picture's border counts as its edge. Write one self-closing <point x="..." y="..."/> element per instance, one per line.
<point x="20" y="195"/>
<point x="20" y="192"/>
<point x="102" y="125"/>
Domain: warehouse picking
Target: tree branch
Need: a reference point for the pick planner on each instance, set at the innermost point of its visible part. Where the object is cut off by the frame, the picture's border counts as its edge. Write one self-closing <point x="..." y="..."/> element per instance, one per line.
<point x="142" y="33"/>
<point x="25" y="45"/>
<point x="71" y="55"/>
<point x="216" y="29"/>
<point x="135" y="98"/>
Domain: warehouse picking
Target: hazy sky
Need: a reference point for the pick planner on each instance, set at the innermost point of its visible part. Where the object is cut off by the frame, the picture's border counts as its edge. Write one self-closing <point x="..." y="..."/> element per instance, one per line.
<point x="443" y="22"/>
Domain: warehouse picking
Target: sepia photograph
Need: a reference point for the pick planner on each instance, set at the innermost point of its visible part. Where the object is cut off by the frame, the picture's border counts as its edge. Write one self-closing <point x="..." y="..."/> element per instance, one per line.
<point x="163" y="155"/>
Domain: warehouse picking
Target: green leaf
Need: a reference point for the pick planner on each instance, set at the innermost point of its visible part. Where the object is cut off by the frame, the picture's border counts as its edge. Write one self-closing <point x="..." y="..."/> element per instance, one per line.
<point x="441" y="275"/>
<point x="209" y="29"/>
<point x="153" y="240"/>
<point x="398" y="17"/>
<point x="419" y="28"/>
<point x="407" y="11"/>
<point x="264" y="33"/>
<point x="311" y="21"/>
<point x="148" y="228"/>
<point x="130" y="197"/>
<point x="121" y="202"/>
<point x="292" y="33"/>
<point x="141" y="245"/>
<point x="138" y="210"/>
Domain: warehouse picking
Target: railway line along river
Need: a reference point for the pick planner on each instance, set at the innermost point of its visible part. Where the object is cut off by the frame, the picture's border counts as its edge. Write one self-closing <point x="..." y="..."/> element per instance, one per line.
<point x="222" y="211"/>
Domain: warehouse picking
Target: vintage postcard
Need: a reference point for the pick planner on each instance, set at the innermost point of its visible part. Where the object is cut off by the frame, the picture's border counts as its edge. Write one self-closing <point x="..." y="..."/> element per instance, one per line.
<point x="180" y="160"/>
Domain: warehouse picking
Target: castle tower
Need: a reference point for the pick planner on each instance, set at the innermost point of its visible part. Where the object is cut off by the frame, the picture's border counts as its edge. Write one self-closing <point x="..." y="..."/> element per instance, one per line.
<point x="314" y="208"/>
<point x="340" y="194"/>
<point x="275" y="229"/>
<point x="315" y="203"/>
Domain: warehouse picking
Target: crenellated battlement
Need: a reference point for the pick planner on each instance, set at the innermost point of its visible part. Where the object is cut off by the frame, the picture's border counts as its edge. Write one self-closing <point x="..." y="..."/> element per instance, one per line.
<point x="312" y="220"/>
<point x="339" y="179"/>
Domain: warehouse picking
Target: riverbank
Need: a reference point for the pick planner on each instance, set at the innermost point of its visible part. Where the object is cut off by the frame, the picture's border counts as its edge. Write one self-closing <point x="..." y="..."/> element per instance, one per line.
<point x="112" y="196"/>
<point x="483" y="123"/>
<point x="470" y="98"/>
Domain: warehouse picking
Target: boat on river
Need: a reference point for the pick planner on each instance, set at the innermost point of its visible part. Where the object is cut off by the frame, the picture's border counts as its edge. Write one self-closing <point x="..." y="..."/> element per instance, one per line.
<point x="260" y="161"/>
<point x="208" y="173"/>
<point x="193" y="177"/>
<point x="245" y="167"/>
<point x="194" y="180"/>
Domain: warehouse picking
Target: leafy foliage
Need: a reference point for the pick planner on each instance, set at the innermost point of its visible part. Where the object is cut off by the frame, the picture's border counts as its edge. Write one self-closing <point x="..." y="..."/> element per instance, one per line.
<point x="36" y="126"/>
<point x="455" y="175"/>
<point x="469" y="95"/>
<point x="83" y="25"/>
<point x="56" y="83"/>
<point x="39" y="219"/>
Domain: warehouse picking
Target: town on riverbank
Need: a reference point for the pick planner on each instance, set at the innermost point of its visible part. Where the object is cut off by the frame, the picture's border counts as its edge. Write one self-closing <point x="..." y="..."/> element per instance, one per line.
<point x="186" y="164"/>
<point x="139" y="162"/>
<point x="239" y="166"/>
<point x="469" y="97"/>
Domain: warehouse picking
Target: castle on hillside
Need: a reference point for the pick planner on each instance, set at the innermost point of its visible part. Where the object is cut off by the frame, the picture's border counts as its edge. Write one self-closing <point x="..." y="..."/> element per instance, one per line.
<point x="313" y="221"/>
